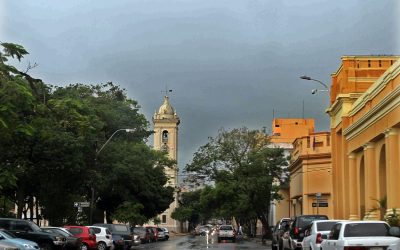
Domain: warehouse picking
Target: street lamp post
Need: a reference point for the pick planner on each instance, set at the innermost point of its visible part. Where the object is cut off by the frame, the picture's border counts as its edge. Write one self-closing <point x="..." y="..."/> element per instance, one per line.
<point x="127" y="130"/>
<point x="315" y="80"/>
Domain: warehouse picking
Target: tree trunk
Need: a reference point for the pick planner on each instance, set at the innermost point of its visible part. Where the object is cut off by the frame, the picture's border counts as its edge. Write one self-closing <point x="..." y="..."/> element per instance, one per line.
<point x="20" y="202"/>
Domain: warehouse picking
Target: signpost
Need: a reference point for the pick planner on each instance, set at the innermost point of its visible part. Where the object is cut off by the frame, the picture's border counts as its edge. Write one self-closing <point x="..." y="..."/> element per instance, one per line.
<point x="317" y="196"/>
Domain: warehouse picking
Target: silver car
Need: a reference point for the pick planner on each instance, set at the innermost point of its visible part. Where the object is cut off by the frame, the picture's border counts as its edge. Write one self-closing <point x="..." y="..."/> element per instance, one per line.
<point x="103" y="237"/>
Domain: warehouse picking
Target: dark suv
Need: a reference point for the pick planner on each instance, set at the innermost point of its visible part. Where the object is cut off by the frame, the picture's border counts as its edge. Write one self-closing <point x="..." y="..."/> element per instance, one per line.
<point x="122" y="236"/>
<point x="298" y="225"/>
<point x="28" y="230"/>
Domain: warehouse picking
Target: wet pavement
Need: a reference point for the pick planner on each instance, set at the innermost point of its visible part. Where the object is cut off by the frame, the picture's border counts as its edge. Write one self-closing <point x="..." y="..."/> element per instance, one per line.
<point x="204" y="242"/>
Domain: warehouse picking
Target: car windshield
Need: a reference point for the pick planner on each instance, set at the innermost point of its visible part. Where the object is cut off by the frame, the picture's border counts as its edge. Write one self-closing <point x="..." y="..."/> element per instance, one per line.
<point x="139" y="229"/>
<point x="62" y="232"/>
<point x="120" y="228"/>
<point x="304" y="221"/>
<point x="7" y="235"/>
<point x="366" y="229"/>
<point x="325" y="226"/>
<point x="34" y="226"/>
<point x="225" y="228"/>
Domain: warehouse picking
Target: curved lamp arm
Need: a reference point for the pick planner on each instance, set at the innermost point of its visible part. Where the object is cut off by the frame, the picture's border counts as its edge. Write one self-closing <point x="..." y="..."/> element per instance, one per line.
<point x="128" y="130"/>
<point x="312" y="79"/>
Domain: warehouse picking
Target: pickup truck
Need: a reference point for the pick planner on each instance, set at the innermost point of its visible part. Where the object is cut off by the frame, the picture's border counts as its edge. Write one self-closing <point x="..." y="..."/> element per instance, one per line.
<point x="28" y="230"/>
<point x="372" y="235"/>
<point x="226" y="232"/>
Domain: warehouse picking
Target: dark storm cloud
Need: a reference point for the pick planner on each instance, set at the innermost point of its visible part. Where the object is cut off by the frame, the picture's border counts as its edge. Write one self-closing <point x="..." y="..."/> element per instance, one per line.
<point x="229" y="63"/>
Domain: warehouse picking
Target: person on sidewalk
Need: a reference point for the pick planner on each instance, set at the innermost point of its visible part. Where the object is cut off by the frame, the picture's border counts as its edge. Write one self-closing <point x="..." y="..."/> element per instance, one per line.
<point x="286" y="242"/>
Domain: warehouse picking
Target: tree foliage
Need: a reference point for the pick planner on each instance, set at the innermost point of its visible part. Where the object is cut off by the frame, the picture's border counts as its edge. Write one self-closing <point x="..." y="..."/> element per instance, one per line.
<point x="50" y="137"/>
<point x="245" y="170"/>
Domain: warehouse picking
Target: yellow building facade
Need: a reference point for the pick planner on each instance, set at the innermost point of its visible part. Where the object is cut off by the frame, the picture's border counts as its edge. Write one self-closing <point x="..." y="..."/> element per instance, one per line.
<point x="311" y="175"/>
<point x="365" y="130"/>
<point x="284" y="133"/>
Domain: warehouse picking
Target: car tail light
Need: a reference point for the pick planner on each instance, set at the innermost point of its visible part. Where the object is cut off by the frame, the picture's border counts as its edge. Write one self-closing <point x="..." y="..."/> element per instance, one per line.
<point x="296" y="230"/>
<point x="92" y="237"/>
<point x="319" y="238"/>
<point x="355" y="248"/>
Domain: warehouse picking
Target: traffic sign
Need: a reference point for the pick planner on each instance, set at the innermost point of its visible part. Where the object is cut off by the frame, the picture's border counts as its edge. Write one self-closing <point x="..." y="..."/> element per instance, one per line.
<point x="81" y="204"/>
<point x="85" y="204"/>
<point x="322" y="204"/>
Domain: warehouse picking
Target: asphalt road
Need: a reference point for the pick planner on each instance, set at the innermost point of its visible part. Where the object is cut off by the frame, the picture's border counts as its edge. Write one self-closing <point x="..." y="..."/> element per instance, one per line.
<point x="203" y="242"/>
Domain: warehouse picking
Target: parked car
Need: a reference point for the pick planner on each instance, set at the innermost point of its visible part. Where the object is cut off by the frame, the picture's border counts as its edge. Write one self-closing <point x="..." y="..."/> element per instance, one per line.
<point x="103" y="237"/>
<point x="226" y="232"/>
<point x="122" y="236"/>
<point x="86" y="234"/>
<point x="299" y="223"/>
<point x="166" y="232"/>
<point x="28" y="230"/>
<point x="72" y="242"/>
<point x="395" y="231"/>
<point x="21" y="244"/>
<point x="8" y="246"/>
<point x="316" y="232"/>
<point x="373" y="235"/>
<point x="153" y="233"/>
<point x="281" y="226"/>
<point x="160" y="234"/>
<point x="145" y="234"/>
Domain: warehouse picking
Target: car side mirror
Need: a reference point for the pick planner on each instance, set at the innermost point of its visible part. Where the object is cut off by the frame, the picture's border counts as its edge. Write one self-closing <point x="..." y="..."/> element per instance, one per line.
<point x="394" y="231"/>
<point x="2" y="237"/>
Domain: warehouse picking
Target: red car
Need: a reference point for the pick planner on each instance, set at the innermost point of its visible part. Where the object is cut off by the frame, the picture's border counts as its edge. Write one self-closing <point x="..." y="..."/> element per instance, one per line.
<point x="87" y="235"/>
<point x="154" y="236"/>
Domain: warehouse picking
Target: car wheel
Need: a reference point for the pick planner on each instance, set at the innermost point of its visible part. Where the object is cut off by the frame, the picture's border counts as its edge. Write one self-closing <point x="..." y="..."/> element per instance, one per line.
<point x="167" y="237"/>
<point x="219" y="240"/>
<point x="84" y="246"/>
<point x="45" y="246"/>
<point x="102" y="246"/>
<point x="233" y="240"/>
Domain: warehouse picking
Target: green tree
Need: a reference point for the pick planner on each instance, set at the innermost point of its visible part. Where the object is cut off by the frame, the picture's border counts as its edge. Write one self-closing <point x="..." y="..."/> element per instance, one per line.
<point x="244" y="168"/>
<point x="49" y="137"/>
<point x="189" y="208"/>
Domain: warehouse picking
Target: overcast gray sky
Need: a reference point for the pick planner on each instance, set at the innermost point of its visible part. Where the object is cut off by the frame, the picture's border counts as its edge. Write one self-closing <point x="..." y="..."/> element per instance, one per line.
<point x="229" y="62"/>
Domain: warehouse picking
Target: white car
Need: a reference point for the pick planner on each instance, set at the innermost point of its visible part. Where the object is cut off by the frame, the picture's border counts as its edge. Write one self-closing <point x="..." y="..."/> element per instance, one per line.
<point x="316" y="232"/>
<point x="166" y="232"/>
<point x="395" y="231"/>
<point x="161" y="234"/>
<point x="226" y="232"/>
<point x="103" y="237"/>
<point x="372" y="235"/>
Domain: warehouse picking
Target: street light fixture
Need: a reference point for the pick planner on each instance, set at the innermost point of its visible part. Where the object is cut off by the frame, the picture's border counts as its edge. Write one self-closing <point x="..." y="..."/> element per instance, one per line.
<point x="127" y="130"/>
<point x="312" y="79"/>
<point x="314" y="91"/>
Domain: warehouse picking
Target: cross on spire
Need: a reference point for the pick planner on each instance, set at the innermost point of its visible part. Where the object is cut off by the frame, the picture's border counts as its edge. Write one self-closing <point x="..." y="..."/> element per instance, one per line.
<point x="166" y="91"/>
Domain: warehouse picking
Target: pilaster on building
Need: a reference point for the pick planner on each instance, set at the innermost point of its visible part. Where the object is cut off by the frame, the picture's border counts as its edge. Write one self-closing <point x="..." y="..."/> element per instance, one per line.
<point x="365" y="119"/>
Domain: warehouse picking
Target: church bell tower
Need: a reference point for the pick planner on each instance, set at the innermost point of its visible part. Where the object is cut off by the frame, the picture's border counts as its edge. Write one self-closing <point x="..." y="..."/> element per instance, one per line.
<point x="166" y="123"/>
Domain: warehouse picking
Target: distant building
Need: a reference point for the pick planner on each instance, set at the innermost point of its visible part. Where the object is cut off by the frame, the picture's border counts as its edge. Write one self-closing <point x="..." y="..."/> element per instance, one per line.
<point x="166" y="123"/>
<point x="365" y="129"/>
<point x="311" y="175"/>
<point x="284" y="133"/>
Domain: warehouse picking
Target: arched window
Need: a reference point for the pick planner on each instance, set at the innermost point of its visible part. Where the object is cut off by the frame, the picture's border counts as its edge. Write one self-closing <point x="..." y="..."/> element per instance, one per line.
<point x="165" y="136"/>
